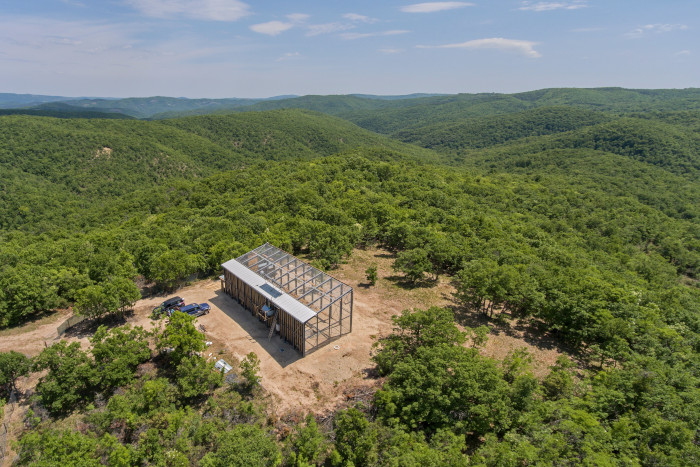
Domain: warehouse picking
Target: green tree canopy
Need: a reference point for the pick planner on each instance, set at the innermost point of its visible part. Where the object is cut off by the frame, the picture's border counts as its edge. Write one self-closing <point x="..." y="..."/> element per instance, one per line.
<point x="195" y="376"/>
<point x="244" y="446"/>
<point x="117" y="353"/>
<point x="181" y="337"/>
<point x="414" y="329"/>
<point x="12" y="366"/>
<point x="71" y="378"/>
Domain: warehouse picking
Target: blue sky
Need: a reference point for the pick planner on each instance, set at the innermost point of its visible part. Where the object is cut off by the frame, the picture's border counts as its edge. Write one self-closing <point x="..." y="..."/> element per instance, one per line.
<point x="232" y="48"/>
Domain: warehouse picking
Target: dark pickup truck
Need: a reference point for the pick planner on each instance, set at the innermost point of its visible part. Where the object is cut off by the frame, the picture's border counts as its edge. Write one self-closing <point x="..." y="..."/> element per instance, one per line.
<point x="168" y="306"/>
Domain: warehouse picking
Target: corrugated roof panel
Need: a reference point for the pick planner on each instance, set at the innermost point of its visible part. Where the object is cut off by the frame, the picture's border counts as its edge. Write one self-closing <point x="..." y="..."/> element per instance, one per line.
<point x="298" y="310"/>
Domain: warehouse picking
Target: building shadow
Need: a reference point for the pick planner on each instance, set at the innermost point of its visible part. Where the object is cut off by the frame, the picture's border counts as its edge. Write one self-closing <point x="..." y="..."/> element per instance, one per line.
<point x="283" y="353"/>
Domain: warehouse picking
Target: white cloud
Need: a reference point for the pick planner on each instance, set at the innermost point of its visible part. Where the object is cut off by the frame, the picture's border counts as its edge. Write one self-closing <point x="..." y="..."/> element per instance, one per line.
<point x="390" y="51"/>
<point x="289" y="56"/>
<point x="272" y="28"/>
<point x="211" y="10"/>
<point x="548" y="6"/>
<point x="359" y="18"/>
<point x="682" y="53"/>
<point x="298" y="17"/>
<point x="327" y="28"/>
<point x="60" y="46"/>
<point x="431" y="7"/>
<point x="357" y="35"/>
<point x="86" y="58"/>
<point x="654" y="29"/>
<point x="522" y="47"/>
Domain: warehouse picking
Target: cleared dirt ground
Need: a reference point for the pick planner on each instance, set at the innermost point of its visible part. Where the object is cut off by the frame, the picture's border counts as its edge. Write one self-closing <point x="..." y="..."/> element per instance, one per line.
<point x="323" y="378"/>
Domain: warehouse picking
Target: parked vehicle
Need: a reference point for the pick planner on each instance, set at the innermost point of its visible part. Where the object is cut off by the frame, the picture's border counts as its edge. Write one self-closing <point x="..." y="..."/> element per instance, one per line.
<point x="168" y="306"/>
<point x="196" y="309"/>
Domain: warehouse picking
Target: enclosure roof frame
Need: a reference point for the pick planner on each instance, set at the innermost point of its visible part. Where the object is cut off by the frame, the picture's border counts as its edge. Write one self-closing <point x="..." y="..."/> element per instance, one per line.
<point x="274" y="263"/>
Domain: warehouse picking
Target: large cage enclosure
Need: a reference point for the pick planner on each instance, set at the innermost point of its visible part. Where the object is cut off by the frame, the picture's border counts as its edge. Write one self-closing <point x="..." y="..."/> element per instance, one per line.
<point x="306" y="306"/>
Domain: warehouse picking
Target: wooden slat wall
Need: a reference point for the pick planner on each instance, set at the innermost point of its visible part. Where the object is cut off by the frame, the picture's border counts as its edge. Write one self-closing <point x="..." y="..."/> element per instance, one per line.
<point x="291" y="330"/>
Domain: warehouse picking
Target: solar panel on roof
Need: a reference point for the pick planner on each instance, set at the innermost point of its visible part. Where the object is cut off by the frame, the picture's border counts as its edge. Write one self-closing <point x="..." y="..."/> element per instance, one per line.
<point x="267" y="265"/>
<point x="271" y="290"/>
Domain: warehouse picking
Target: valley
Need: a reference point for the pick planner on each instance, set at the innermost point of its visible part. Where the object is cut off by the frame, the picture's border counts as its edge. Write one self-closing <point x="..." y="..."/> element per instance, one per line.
<point x="537" y="296"/>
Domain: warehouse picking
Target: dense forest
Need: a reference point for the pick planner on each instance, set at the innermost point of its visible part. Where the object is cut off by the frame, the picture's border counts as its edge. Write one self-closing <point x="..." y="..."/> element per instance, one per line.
<point x="573" y="209"/>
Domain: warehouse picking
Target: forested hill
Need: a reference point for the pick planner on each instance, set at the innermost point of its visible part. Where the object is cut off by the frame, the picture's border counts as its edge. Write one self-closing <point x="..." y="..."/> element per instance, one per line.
<point x="670" y="142"/>
<point x="78" y="161"/>
<point x="390" y="116"/>
<point x="10" y="100"/>
<point x="291" y="133"/>
<point x="570" y="212"/>
<point x="145" y="107"/>
<point x="60" y="110"/>
<point x="489" y="131"/>
<point x="382" y="114"/>
<point x="444" y="109"/>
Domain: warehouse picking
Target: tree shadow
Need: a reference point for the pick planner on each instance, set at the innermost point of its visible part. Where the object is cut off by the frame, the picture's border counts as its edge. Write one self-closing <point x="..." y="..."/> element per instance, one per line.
<point x="385" y="255"/>
<point x="406" y="284"/>
<point x="531" y="330"/>
<point x="35" y="318"/>
<point x="88" y="327"/>
<point x="371" y="372"/>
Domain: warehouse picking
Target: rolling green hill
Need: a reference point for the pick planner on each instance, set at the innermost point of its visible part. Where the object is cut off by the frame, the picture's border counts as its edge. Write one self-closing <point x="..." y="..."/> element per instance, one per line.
<point x="289" y="133"/>
<point x="674" y="148"/>
<point x="62" y="110"/>
<point x="391" y="115"/>
<point x="332" y="105"/>
<point x="435" y="110"/>
<point x="494" y="130"/>
<point x="147" y="107"/>
<point x="616" y="99"/>
<point x="385" y="114"/>
<point x="10" y="100"/>
<point x="568" y="216"/>
<point x="96" y="159"/>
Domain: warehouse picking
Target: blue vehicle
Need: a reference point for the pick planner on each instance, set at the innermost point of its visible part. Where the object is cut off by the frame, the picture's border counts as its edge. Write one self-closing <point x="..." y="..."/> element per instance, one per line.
<point x="196" y="309"/>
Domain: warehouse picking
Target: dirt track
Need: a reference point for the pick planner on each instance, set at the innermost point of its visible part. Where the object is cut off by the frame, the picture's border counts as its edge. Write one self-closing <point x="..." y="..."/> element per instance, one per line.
<point x="318" y="381"/>
<point x="32" y="338"/>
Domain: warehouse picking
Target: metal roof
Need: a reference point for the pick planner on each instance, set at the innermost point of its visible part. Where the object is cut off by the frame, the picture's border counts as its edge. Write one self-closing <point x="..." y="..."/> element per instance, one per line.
<point x="275" y="270"/>
<point x="291" y="305"/>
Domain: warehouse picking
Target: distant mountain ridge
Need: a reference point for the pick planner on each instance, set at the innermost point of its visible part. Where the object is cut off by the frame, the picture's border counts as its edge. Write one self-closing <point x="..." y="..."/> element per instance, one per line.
<point x="11" y="101"/>
<point x="132" y="107"/>
<point x="389" y="114"/>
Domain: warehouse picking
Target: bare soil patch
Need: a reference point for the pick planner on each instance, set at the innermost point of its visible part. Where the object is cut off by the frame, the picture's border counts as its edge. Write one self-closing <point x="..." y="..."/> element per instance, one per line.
<point x="329" y="376"/>
<point x="31" y="338"/>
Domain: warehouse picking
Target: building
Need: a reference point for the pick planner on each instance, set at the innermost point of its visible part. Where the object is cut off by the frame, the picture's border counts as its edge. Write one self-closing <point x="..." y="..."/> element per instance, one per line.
<point x="307" y="307"/>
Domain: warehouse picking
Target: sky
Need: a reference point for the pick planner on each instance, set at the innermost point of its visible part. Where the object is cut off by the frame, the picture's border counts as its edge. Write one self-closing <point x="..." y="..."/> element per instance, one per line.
<point x="233" y="48"/>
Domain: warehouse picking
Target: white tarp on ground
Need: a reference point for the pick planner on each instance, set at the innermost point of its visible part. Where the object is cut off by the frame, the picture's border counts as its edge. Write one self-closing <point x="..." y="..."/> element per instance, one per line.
<point x="222" y="365"/>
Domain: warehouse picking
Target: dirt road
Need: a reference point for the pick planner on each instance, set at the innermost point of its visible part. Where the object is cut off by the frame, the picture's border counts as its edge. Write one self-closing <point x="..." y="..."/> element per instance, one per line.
<point x="318" y="381"/>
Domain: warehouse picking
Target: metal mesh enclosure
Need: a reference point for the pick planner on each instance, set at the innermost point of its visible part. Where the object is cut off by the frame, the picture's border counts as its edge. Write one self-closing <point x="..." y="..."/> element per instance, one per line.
<point x="321" y="307"/>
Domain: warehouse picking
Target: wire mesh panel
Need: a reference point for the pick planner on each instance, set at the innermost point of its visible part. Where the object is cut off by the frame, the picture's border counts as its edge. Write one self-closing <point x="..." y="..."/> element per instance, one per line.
<point x="311" y="286"/>
<point x="328" y="299"/>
